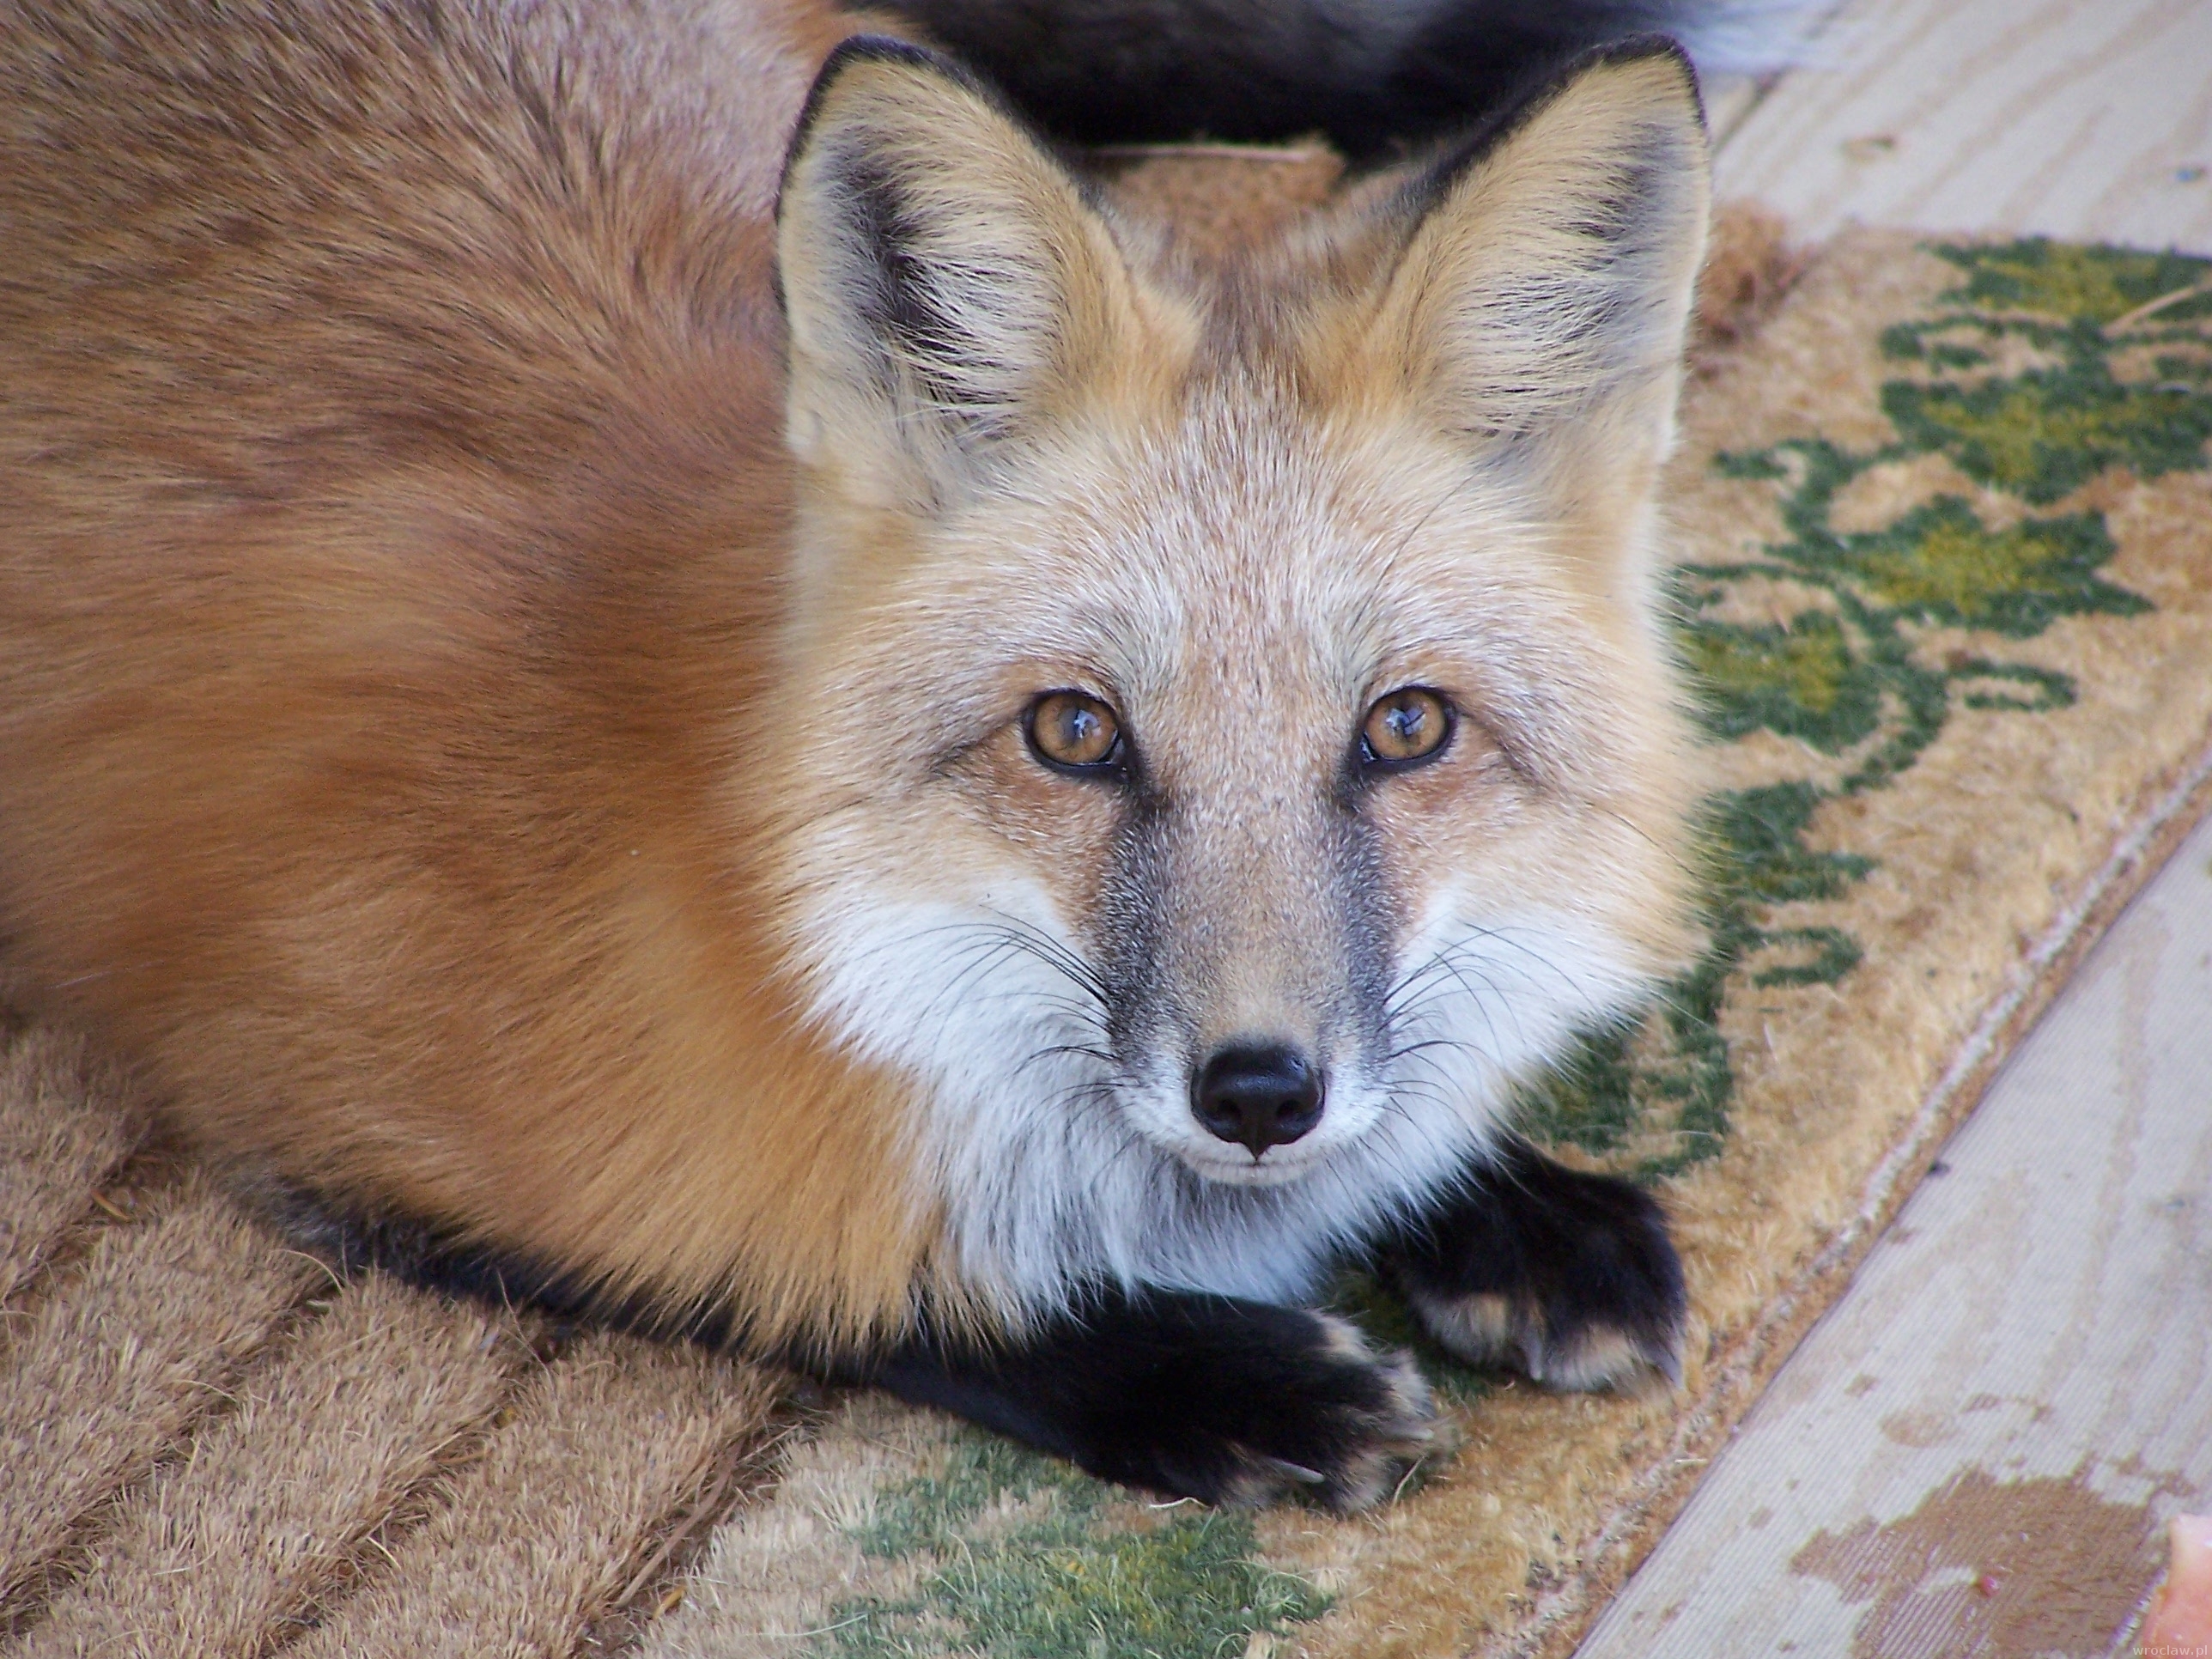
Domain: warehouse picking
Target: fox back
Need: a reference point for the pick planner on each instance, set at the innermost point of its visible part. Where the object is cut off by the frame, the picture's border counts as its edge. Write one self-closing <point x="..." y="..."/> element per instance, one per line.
<point x="839" y="738"/>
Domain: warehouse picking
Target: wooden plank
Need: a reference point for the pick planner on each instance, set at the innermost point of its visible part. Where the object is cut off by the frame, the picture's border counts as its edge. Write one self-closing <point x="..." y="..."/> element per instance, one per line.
<point x="1729" y="100"/>
<point x="1977" y="1447"/>
<point x="2090" y="119"/>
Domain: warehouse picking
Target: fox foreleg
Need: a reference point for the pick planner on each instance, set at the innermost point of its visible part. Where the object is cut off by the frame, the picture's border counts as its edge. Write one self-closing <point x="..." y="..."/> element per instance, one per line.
<point x="1233" y="1402"/>
<point x="1569" y="1276"/>
<point x="1566" y="1275"/>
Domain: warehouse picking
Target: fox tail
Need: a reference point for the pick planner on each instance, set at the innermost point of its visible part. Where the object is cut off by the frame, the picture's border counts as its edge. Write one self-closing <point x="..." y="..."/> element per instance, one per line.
<point x="1372" y="75"/>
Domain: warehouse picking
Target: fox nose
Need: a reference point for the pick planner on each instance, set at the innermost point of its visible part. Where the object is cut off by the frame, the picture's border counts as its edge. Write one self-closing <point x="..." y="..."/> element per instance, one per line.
<point x="1263" y="1094"/>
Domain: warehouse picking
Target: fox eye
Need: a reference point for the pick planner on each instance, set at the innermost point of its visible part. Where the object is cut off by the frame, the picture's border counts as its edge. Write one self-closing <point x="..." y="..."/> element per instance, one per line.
<point x="1071" y="732"/>
<point x="1405" y="728"/>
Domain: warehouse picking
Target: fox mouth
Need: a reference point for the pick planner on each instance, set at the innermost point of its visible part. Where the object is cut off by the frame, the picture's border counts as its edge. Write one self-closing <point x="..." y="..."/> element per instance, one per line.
<point x="1236" y="1167"/>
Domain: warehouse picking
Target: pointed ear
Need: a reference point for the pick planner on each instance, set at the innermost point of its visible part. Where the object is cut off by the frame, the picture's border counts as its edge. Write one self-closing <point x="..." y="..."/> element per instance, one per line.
<point x="943" y="278"/>
<point x="1544" y="289"/>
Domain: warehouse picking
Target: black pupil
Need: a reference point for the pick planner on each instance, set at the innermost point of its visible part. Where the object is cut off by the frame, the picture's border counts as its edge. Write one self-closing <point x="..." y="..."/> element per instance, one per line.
<point x="1404" y="720"/>
<point x="1078" y="728"/>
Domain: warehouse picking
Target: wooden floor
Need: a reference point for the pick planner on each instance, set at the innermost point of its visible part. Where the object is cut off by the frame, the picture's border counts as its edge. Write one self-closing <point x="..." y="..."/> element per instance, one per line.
<point x="1977" y="1450"/>
<point x="2090" y="119"/>
<point x="1974" y="1451"/>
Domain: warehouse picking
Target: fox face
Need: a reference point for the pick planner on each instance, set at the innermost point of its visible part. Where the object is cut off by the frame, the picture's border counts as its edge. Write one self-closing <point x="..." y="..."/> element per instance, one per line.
<point x="1230" y="737"/>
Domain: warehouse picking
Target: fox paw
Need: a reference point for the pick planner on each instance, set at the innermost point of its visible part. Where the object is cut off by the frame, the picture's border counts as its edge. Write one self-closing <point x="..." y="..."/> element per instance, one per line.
<point x="1193" y="1395"/>
<point x="1580" y="1351"/>
<point x="1567" y="1276"/>
<point x="1333" y="1423"/>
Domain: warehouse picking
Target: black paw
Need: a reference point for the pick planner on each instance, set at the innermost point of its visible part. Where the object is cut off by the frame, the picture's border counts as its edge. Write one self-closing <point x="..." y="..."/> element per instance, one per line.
<point x="1570" y="1277"/>
<point x="1198" y="1396"/>
<point x="1267" y="1404"/>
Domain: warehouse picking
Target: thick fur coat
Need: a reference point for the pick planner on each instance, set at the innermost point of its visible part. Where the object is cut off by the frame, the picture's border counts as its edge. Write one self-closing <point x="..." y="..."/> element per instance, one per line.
<point x="523" y="618"/>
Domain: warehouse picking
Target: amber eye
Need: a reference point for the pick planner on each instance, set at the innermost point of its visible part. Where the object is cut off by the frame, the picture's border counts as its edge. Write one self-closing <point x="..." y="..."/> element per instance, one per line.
<point x="1073" y="733"/>
<point x="1405" y="728"/>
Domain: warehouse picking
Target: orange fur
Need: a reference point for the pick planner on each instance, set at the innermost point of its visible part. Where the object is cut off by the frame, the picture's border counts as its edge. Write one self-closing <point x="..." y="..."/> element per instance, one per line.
<point x="392" y="522"/>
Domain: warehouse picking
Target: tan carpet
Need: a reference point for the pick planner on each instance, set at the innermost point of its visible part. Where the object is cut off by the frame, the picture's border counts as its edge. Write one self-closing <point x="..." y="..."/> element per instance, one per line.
<point x="1946" y="529"/>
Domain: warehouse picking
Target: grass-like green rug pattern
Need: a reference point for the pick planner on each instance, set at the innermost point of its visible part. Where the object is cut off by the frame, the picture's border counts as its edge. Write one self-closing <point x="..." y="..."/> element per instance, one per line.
<point x="1945" y="530"/>
<point x="1859" y="662"/>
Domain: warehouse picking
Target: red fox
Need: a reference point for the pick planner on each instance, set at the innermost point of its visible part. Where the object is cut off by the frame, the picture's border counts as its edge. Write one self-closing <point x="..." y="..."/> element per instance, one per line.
<point x="739" y="707"/>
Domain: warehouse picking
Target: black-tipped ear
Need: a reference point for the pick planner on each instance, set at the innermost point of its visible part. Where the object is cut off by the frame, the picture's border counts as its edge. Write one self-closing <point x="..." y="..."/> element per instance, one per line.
<point x="1547" y="274"/>
<point x="854" y="50"/>
<point x="942" y="275"/>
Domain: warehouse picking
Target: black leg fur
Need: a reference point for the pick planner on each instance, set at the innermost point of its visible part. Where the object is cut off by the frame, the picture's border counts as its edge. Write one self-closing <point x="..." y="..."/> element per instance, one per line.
<point x="1569" y="1275"/>
<point x="1572" y="1277"/>
<point x="420" y="1255"/>
<point x="1195" y="1396"/>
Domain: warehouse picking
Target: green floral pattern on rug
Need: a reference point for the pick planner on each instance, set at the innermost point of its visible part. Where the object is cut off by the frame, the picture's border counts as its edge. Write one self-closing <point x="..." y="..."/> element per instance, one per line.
<point x="2107" y="362"/>
<point x="1018" y="1563"/>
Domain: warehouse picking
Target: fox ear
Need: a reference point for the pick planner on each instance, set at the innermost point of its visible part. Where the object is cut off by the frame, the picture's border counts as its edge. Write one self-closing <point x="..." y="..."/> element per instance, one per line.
<point x="942" y="275"/>
<point x="1543" y="291"/>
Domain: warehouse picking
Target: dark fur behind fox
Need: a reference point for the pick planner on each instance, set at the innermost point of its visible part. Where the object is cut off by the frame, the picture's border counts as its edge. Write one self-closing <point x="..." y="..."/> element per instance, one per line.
<point x="1371" y="75"/>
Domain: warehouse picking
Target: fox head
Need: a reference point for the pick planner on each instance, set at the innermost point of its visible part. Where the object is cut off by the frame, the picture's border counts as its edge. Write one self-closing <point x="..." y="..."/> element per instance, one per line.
<point x="1227" y="734"/>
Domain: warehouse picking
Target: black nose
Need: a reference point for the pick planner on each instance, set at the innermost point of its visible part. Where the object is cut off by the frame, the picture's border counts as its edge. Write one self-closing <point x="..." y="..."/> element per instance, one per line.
<point x="1263" y="1095"/>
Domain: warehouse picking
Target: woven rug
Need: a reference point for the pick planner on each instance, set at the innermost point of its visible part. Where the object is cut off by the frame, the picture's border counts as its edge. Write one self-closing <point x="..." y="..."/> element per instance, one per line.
<point x="1945" y="520"/>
